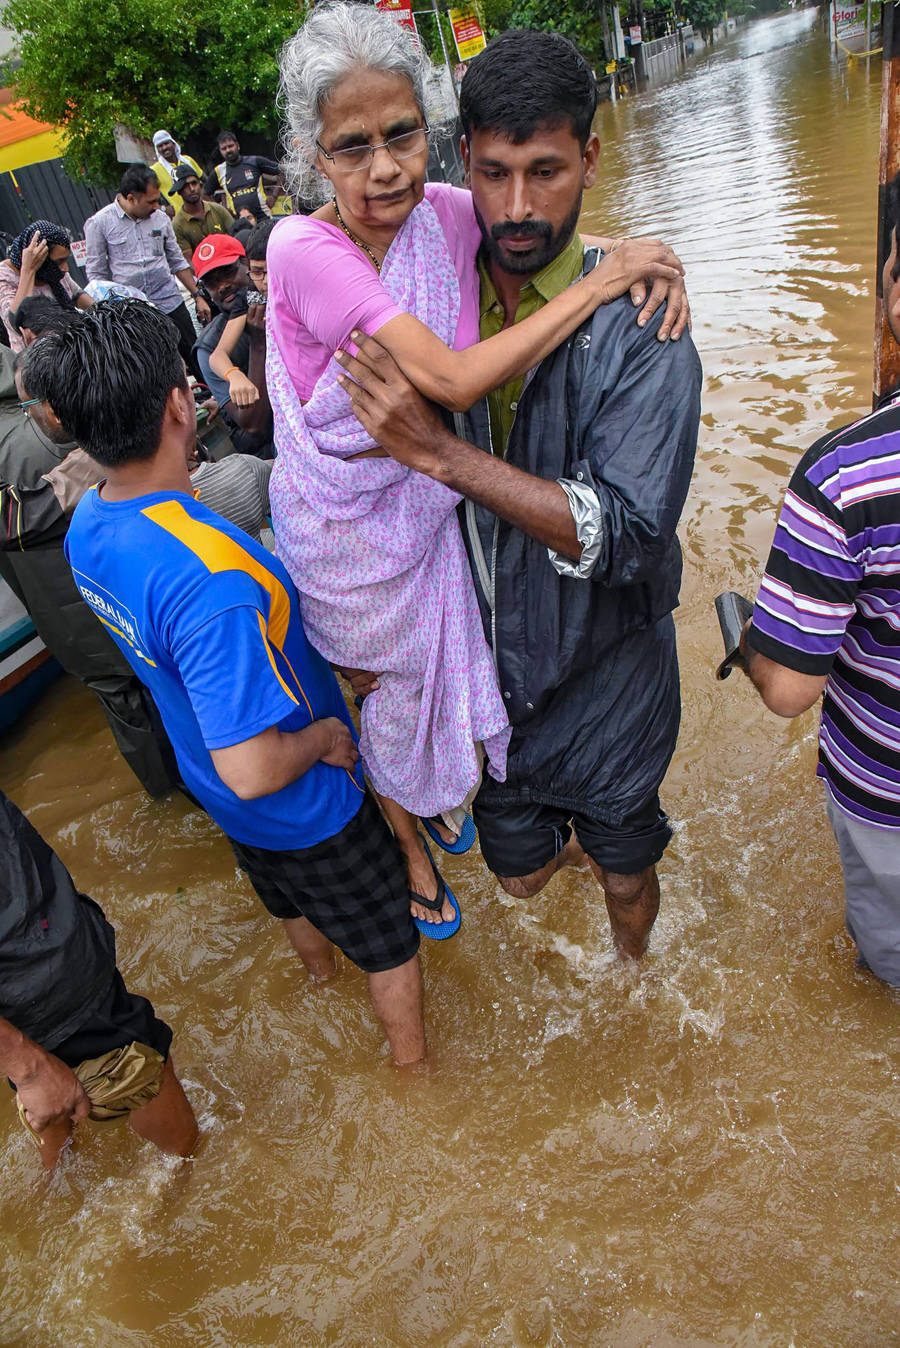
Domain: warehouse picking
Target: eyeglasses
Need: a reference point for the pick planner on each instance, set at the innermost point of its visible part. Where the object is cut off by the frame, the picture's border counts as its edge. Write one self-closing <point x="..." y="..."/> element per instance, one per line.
<point x="29" y="403"/>
<point x="357" y="157"/>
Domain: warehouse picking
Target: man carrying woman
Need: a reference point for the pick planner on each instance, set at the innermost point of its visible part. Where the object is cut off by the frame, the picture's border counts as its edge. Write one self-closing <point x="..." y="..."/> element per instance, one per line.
<point x="375" y="549"/>
<point x="574" y="483"/>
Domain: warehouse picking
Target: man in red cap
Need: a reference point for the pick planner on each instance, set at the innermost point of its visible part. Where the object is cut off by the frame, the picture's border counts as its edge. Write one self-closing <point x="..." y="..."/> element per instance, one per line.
<point x="221" y="267"/>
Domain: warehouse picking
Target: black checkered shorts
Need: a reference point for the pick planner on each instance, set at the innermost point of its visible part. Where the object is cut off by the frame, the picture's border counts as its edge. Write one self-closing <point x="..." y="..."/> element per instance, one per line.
<point x="352" y="887"/>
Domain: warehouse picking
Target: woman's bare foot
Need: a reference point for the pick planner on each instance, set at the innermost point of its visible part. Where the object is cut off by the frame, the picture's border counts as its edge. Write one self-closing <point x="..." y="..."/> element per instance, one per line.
<point x="422" y="880"/>
<point x="573" y="854"/>
<point x="444" y="833"/>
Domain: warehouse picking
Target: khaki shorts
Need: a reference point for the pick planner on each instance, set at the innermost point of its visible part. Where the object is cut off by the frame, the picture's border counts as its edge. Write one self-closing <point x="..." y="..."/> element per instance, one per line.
<point x="117" y="1083"/>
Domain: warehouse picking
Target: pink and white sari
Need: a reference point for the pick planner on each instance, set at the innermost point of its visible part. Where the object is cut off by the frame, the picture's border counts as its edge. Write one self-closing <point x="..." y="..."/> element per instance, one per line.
<point x="377" y="557"/>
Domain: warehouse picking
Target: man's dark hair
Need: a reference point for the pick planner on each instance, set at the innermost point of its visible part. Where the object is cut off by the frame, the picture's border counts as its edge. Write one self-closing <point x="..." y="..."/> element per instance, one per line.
<point x="39" y="314"/>
<point x="258" y="241"/>
<point x="107" y="377"/>
<point x="137" y="179"/>
<point x="525" y="79"/>
<point x="226" y="135"/>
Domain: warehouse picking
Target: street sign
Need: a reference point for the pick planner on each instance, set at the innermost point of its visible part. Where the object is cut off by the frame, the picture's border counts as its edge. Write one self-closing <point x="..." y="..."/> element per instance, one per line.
<point x="400" y="10"/>
<point x="467" y="33"/>
<point x="849" y="20"/>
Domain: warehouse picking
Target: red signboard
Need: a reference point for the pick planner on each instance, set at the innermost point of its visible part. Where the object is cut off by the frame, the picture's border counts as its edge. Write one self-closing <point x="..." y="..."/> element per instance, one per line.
<point x="401" y="10"/>
<point x="467" y="33"/>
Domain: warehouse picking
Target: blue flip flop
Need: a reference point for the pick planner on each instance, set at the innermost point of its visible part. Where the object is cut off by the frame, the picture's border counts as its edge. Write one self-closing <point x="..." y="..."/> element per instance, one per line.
<point x="437" y="931"/>
<point x="463" y="842"/>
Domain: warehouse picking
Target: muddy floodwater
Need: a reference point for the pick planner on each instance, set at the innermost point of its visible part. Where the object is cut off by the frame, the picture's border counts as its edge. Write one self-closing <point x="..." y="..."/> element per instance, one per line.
<point x="701" y="1151"/>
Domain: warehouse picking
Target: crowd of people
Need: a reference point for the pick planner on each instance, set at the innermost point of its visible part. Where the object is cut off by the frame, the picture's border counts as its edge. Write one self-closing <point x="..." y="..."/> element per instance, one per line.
<point x="474" y="431"/>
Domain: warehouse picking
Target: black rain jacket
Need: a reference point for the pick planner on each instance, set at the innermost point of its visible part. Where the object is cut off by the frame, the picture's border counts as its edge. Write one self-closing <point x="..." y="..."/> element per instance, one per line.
<point x="57" y="950"/>
<point x="588" y="667"/>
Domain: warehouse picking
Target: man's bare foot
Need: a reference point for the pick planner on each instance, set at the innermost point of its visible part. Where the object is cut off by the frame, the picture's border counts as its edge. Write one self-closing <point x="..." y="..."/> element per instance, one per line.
<point x="422" y="880"/>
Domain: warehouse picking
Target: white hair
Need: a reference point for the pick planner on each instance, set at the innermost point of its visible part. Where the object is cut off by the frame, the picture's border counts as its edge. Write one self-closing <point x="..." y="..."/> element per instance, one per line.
<point x="335" y="40"/>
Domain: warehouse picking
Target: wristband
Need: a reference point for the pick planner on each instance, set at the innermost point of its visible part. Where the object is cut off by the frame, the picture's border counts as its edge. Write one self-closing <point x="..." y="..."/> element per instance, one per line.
<point x="230" y="371"/>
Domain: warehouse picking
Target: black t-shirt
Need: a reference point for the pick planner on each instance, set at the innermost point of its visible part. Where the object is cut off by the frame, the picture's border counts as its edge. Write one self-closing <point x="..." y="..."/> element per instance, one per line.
<point x="242" y="182"/>
<point x="57" y="950"/>
<point x="206" y="344"/>
<point x="245" y="442"/>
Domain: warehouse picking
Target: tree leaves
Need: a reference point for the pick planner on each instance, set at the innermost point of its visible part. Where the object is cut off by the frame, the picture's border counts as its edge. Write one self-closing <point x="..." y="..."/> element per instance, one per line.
<point x="189" y="65"/>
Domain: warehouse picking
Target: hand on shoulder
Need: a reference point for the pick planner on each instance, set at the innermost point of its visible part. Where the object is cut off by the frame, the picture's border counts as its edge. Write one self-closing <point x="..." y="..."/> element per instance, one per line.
<point x="630" y="265"/>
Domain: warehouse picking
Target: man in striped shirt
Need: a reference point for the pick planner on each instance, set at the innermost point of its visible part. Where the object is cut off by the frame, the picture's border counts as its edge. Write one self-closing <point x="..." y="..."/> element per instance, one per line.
<point x="827" y="618"/>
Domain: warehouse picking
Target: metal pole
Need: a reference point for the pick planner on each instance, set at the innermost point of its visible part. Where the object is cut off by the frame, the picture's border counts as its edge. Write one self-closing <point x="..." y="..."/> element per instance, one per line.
<point x="604" y="27"/>
<point x="887" y="352"/>
<point x="868" y="31"/>
<point x="440" y="28"/>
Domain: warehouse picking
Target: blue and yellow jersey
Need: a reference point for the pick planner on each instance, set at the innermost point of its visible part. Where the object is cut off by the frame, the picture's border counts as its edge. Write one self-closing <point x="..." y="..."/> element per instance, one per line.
<point x="210" y="622"/>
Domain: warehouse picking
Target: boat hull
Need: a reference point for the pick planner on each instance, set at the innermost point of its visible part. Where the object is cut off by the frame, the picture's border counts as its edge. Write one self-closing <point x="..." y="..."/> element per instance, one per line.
<point x="26" y="666"/>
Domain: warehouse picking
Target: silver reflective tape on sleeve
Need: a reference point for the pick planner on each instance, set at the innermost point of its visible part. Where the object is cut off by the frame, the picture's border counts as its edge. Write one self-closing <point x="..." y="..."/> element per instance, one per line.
<point x="585" y="508"/>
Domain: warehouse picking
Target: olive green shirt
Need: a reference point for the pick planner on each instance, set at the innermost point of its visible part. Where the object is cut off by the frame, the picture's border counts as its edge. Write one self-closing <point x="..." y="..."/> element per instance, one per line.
<point x="545" y="285"/>
<point x="191" y="232"/>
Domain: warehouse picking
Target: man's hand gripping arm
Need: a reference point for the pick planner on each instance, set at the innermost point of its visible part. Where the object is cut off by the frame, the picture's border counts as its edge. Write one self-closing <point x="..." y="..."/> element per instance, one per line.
<point x="399" y="419"/>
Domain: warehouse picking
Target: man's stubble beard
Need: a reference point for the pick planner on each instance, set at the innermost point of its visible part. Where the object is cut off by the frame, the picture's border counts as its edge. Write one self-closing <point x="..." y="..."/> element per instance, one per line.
<point x="534" y="262"/>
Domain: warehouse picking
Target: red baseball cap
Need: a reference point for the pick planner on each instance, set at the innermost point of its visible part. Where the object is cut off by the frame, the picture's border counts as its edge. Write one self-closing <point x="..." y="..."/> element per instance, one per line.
<point x="216" y="250"/>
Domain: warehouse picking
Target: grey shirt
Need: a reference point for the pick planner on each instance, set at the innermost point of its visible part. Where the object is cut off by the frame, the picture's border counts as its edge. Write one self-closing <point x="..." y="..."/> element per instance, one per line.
<point x="25" y="452"/>
<point x="140" y="253"/>
<point x="237" y="487"/>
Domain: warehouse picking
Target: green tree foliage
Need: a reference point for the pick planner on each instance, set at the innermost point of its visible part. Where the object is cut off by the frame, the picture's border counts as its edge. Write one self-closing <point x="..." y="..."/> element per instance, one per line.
<point x="703" y="15"/>
<point x="578" y="21"/>
<point x="188" y="65"/>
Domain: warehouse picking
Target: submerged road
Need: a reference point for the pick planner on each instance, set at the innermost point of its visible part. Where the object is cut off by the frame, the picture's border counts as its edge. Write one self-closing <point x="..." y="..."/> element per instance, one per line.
<point x="699" y="1152"/>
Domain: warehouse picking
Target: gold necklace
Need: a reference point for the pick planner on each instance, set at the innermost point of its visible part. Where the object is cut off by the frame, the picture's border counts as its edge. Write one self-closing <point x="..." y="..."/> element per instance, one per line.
<point x="353" y="239"/>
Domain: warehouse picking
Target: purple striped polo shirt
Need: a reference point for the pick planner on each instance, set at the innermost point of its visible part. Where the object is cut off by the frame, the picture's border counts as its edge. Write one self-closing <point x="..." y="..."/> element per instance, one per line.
<point x="829" y="603"/>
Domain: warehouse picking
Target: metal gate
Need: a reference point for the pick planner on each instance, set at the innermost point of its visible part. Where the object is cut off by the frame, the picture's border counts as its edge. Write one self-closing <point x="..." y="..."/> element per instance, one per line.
<point x="46" y="192"/>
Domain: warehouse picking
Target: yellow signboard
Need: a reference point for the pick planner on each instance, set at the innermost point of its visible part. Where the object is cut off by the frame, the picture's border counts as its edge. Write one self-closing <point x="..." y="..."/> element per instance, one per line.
<point x="467" y="33"/>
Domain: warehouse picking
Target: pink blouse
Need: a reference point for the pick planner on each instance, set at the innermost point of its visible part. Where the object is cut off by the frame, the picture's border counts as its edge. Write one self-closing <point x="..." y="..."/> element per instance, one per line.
<point x="321" y="286"/>
<point x="9" y="284"/>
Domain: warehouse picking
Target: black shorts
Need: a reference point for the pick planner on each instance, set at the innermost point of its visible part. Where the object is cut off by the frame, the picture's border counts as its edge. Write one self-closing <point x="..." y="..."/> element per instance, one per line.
<point x="122" y="1018"/>
<point x="519" y="839"/>
<point x="352" y="887"/>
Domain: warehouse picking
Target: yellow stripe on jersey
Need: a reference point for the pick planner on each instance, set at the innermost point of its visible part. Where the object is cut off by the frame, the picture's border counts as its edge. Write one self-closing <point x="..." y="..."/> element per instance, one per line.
<point x="262" y="628"/>
<point x="119" y="633"/>
<point x="218" y="551"/>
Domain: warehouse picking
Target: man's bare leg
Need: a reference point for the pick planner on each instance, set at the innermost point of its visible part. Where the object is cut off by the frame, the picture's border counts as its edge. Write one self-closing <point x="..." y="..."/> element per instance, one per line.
<point x="419" y="875"/>
<point x="168" y="1120"/>
<point x="526" y="886"/>
<point x="632" y="902"/>
<point x="314" y="949"/>
<point x="52" y="1139"/>
<point x="397" y="999"/>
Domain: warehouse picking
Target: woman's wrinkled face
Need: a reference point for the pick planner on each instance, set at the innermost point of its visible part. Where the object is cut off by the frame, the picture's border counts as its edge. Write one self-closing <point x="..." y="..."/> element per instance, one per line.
<point x="60" y="255"/>
<point x="366" y="109"/>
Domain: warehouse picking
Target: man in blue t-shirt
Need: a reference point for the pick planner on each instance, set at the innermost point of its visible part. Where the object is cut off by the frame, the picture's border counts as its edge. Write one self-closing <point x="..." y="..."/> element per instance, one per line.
<point x="211" y="623"/>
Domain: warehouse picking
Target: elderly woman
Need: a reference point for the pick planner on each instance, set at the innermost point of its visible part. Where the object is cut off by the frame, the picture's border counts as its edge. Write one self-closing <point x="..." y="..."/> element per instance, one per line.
<point x="374" y="548"/>
<point x="38" y="264"/>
